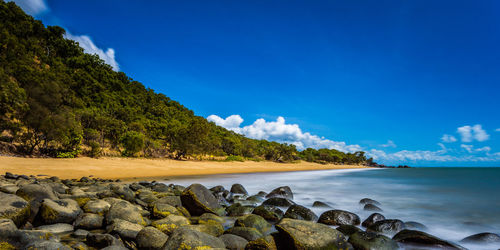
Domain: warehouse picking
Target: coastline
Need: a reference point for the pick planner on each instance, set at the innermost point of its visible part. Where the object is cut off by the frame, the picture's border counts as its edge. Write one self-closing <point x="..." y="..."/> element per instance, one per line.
<point x="133" y="168"/>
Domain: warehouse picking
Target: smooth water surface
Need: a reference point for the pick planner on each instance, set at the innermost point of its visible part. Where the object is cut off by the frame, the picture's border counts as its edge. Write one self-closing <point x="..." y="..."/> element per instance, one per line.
<point x="452" y="202"/>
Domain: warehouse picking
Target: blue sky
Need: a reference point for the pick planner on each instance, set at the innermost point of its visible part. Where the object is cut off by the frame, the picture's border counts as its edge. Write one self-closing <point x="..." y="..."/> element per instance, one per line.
<point x="410" y="82"/>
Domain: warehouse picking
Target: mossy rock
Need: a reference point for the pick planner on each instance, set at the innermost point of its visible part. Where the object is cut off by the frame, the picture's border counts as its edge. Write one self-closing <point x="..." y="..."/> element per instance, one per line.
<point x="249" y="233"/>
<point x="187" y="239"/>
<point x="151" y="238"/>
<point x="125" y="229"/>
<point x="99" y="207"/>
<point x="239" y="210"/>
<point x="233" y="242"/>
<point x="36" y="192"/>
<point x="299" y="212"/>
<point x="300" y="234"/>
<point x="170" y="223"/>
<point x="348" y="230"/>
<point x="89" y="221"/>
<point x="125" y="211"/>
<point x="198" y="200"/>
<point x="59" y="211"/>
<point x="369" y="241"/>
<point x="264" y="243"/>
<point x="421" y="239"/>
<point x="162" y="210"/>
<point x="270" y="213"/>
<point x="6" y="246"/>
<point x="238" y="189"/>
<point x="15" y="208"/>
<point x="170" y="200"/>
<point x="214" y="229"/>
<point x="210" y="218"/>
<point x="253" y="221"/>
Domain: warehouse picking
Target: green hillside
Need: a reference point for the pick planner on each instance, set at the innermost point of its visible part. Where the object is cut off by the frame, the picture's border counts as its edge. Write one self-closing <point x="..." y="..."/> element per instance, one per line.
<point x="57" y="101"/>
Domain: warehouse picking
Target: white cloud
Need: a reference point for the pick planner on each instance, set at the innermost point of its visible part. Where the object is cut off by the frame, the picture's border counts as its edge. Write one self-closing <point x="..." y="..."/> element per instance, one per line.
<point x="470" y="133"/>
<point x="448" y="138"/>
<point x="468" y="148"/>
<point x="497" y="130"/>
<point x="471" y="149"/>
<point x="89" y="47"/>
<point x="405" y="156"/>
<point x="32" y="7"/>
<point x="281" y="132"/>
<point x="389" y="144"/>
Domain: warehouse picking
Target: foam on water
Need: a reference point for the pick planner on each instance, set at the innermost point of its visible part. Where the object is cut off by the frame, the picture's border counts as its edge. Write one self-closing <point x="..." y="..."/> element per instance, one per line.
<point x="453" y="202"/>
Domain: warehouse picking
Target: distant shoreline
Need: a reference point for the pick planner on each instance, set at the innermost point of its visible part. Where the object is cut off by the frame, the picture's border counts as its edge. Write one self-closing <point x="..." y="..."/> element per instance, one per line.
<point x="138" y="168"/>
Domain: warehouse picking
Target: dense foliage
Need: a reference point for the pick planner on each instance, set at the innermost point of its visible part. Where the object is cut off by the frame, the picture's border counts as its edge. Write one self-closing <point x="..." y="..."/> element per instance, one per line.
<point x="58" y="101"/>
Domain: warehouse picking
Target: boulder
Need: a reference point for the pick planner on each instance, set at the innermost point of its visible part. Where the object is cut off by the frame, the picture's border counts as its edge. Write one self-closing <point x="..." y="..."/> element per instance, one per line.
<point x="217" y="189"/>
<point x="199" y="200"/>
<point x="347" y="230"/>
<point x="239" y="210"/>
<point x="372" y="219"/>
<point x="299" y="212"/>
<point x="233" y="242"/>
<point x="36" y="192"/>
<point x="482" y="238"/>
<point x="125" y="211"/>
<point x="174" y="201"/>
<point x="423" y="240"/>
<point x="238" y="189"/>
<point x="390" y="227"/>
<point x="413" y="225"/>
<point x="283" y="192"/>
<point x="270" y="213"/>
<point x="214" y="229"/>
<point x="123" y="191"/>
<point x="365" y="201"/>
<point x="372" y="241"/>
<point x="58" y="228"/>
<point x="249" y="233"/>
<point x="207" y="218"/>
<point x="170" y="223"/>
<point x="162" y="210"/>
<point x="80" y="234"/>
<point x="264" y="243"/>
<point x="320" y="204"/>
<point x="253" y="221"/>
<point x="8" y="229"/>
<point x="371" y="207"/>
<point x="300" y="234"/>
<point x="14" y="208"/>
<point x="339" y="217"/>
<point x="89" y="221"/>
<point x="9" y="188"/>
<point x="100" y="207"/>
<point x="278" y="202"/>
<point x="46" y="244"/>
<point x="125" y="229"/>
<point x="59" y="211"/>
<point x="184" y="238"/>
<point x="100" y="241"/>
<point x="151" y="238"/>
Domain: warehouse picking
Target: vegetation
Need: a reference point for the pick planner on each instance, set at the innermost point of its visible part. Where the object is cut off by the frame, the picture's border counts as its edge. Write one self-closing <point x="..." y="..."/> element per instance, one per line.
<point x="56" y="100"/>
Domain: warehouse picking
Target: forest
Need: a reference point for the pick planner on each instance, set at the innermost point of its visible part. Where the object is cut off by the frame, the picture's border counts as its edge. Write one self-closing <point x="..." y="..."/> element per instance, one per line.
<point x="57" y="101"/>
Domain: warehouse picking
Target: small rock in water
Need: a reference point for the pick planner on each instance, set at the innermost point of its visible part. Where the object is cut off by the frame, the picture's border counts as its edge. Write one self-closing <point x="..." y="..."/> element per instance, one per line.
<point x="413" y="225"/>
<point x="365" y="201"/>
<point x="421" y="239"/>
<point x="338" y="218"/>
<point x="270" y="213"/>
<point x="320" y="204"/>
<point x="279" y="202"/>
<point x="387" y="226"/>
<point x="371" y="207"/>
<point x="283" y="192"/>
<point x="369" y="240"/>
<point x="482" y="238"/>
<point x="299" y="212"/>
<point x="238" y="189"/>
<point x="348" y="229"/>
<point x="372" y="219"/>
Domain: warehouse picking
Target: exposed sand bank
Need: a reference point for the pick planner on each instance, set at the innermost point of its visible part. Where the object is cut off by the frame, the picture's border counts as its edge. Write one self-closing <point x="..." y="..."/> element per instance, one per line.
<point x="127" y="168"/>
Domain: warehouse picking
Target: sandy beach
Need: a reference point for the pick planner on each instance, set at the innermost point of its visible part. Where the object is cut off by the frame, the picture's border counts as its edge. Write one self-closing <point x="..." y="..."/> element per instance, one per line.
<point x="128" y="168"/>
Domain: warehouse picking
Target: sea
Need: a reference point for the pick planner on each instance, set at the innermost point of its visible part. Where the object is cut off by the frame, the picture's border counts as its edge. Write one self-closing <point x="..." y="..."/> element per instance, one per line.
<point x="452" y="203"/>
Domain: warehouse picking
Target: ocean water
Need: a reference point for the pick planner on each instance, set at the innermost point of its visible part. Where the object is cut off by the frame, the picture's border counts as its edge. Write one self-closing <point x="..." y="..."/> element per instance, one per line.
<point x="452" y="202"/>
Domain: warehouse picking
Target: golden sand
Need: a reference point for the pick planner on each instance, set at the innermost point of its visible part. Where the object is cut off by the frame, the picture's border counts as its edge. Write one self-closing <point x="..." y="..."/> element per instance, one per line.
<point x="129" y="168"/>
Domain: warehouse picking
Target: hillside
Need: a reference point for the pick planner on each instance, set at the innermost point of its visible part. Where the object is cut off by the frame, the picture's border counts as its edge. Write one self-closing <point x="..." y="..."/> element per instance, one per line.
<point x="57" y="101"/>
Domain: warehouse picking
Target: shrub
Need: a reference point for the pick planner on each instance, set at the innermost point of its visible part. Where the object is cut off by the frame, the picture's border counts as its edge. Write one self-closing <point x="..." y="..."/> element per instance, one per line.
<point x="132" y="142"/>
<point x="95" y="149"/>
<point x="234" y="158"/>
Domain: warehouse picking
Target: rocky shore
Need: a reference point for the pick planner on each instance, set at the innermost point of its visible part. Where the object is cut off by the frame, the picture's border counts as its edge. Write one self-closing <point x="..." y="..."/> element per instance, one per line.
<point x="93" y="213"/>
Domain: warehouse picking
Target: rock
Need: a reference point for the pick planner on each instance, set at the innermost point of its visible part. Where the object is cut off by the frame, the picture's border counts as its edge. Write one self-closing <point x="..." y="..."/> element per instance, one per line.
<point x="372" y="241"/>
<point x="372" y="219"/>
<point x="9" y="188"/>
<point x="99" y="241"/>
<point x="89" y="221"/>
<point x="36" y="192"/>
<point x="7" y="229"/>
<point x="151" y="238"/>
<point x="9" y="175"/>
<point x="299" y="212"/>
<point x="482" y="238"/>
<point x="208" y="218"/>
<point x="320" y="204"/>
<point x="365" y="201"/>
<point x="233" y="242"/>
<point x="249" y="233"/>
<point x="348" y="229"/>
<point x="58" y="228"/>
<point x="125" y="211"/>
<point x="253" y="221"/>
<point x="270" y="213"/>
<point x="162" y="210"/>
<point x="174" y="201"/>
<point x="217" y="189"/>
<point x="412" y="225"/>
<point x="339" y="217"/>
<point x="123" y="191"/>
<point x="238" y="189"/>
<point x="184" y="238"/>
<point x="214" y="229"/>
<point x="300" y="234"/>
<point x="371" y="207"/>
<point x="80" y="234"/>
<point x="421" y="239"/>
<point x="59" y="211"/>
<point x="387" y="226"/>
<point x="46" y="244"/>
<point x="125" y="229"/>
<point x="278" y="201"/>
<point x="199" y="200"/>
<point x="264" y="243"/>
<point x="80" y="246"/>
<point x="160" y="187"/>
<point x="170" y="223"/>
<point x="283" y="192"/>
<point x="97" y="207"/>
<point x="238" y="210"/>
<point x="14" y="208"/>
